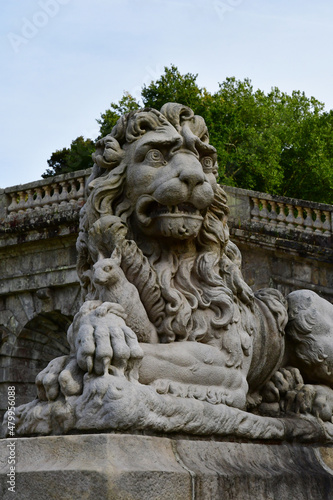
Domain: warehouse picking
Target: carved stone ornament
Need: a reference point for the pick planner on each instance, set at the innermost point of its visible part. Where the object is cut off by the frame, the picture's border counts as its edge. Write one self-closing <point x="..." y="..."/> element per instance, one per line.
<point x="169" y="337"/>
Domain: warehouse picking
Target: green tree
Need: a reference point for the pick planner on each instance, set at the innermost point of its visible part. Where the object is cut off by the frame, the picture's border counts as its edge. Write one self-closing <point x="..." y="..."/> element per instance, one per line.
<point x="172" y="86"/>
<point x="109" y="118"/>
<point x="76" y="157"/>
<point x="274" y="142"/>
<point x="307" y="158"/>
<point x="240" y="125"/>
<point x="57" y="163"/>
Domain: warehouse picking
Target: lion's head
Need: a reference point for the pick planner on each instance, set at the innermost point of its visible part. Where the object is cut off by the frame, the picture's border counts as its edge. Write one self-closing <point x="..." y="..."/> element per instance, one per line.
<point x="159" y="169"/>
<point x="154" y="185"/>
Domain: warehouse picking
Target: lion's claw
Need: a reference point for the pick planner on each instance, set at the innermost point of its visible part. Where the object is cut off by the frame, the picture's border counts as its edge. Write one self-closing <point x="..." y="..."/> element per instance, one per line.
<point x="104" y="342"/>
<point x="61" y="373"/>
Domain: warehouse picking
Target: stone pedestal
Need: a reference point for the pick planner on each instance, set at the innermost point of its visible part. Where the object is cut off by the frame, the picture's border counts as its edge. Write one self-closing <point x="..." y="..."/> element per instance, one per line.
<point x="136" y="467"/>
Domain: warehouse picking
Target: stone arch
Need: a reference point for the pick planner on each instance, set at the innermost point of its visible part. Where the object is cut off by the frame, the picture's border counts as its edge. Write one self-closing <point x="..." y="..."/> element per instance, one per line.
<point x="42" y="339"/>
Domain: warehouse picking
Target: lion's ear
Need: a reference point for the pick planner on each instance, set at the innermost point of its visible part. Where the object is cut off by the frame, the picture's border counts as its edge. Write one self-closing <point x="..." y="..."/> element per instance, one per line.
<point x="108" y="153"/>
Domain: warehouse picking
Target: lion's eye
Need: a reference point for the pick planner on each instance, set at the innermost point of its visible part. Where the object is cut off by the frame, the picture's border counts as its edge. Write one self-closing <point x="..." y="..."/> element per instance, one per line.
<point x="155" y="156"/>
<point x="107" y="269"/>
<point x="207" y="163"/>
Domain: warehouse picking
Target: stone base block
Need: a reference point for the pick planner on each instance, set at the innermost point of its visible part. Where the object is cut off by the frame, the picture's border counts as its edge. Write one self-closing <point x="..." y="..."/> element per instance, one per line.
<point x="137" y="467"/>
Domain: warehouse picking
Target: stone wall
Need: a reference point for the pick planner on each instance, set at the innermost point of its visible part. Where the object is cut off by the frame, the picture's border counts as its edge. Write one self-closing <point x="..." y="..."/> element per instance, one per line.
<point x="39" y="290"/>
<point x="285" y="243"/>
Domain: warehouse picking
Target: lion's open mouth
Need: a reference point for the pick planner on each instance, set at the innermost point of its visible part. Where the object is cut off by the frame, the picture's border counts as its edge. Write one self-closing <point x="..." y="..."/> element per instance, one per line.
<point x="148" y="209"/>
<point x="157" y="210"/>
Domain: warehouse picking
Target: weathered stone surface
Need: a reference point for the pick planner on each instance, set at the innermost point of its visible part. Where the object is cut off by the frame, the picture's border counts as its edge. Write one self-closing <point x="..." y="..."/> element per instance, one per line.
<point x="39" y="285"/>
<point x="177" y="278"/>
<point x="266" y="263"/>
<point x="310" y="336"/>
<point x="288" y="253"/>
<point x="124" y="467"/>
<point x="169" y="336"/>
<point x="41" y="234"/>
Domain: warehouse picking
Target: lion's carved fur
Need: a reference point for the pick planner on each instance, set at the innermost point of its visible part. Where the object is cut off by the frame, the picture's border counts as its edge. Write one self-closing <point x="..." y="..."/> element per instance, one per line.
<point x="184" y="287"/>
<point x="201" y="296"/>
<point x="166" y="310"/>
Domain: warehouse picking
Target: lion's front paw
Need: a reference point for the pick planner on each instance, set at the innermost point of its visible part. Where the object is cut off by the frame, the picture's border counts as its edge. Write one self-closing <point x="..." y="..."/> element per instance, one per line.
<point x="47" y="380"/>
<point x="103" y="342"/>
<point x="71" y="379"/>
<point x="62" y="375"/>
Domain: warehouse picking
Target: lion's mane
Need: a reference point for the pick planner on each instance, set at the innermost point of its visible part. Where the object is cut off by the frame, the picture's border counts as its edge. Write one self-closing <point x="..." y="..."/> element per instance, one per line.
<point x="191" y="298"/>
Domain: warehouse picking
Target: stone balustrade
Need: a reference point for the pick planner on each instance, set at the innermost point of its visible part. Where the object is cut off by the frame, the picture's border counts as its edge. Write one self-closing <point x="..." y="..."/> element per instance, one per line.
<point x="280" y="213"/>
<point x="53" y="194"/>
<point x="67" y="191"/>
<point x="292" y="214"/>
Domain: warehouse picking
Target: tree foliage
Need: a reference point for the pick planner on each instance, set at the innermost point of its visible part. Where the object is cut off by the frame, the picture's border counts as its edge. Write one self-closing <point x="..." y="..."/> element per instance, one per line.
<point x="270" y="142"/>
<point x="173" y="87"/>
<point x="109" y="118"/>
<point x="76" y="157"/>
<point x="275" y="142"/>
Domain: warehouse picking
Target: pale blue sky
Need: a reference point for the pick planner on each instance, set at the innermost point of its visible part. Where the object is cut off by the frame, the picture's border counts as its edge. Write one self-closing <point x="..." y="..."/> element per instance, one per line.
<point x="64" y="61"/>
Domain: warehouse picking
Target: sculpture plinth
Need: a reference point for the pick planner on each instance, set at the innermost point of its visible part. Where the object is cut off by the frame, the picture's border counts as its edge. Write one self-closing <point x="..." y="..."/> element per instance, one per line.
<point x="133" y="467"/>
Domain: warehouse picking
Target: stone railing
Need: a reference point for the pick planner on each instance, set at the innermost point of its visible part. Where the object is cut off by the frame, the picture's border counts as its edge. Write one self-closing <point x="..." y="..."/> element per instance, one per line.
<point x="280" y="213"/>
<point x="67" y="191"/>
<point x="53" y="194"/>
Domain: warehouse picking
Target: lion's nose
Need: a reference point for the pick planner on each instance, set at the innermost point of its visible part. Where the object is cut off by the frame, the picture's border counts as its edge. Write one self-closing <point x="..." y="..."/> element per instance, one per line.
<point x="192" y="177"/>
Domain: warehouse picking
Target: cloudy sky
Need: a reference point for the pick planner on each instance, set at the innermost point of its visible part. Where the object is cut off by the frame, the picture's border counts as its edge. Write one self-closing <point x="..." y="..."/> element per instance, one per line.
<point x="65" y="61"/>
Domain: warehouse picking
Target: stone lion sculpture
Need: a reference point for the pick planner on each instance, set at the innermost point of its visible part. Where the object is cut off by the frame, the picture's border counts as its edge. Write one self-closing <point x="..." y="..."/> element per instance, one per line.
<point x="169" y="336"/>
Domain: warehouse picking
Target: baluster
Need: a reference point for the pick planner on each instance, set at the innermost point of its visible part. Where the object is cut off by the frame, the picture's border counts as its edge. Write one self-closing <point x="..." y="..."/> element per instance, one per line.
<point x="308" y="221"/>
<point x="72" y="192"/>
<point x="47" y="197"/>
<point x="63" y="198"/>
<point x="327" y="223"/>
<point x="264" y="212"/>
<point x="290" y="217"/>
<point x="38" y="199"/>
<point x="80" y="193"/>
<point x="13" y="205"/>
<point x="299" y="221"/>
<point x="281" y="216"/>
<point x="30" y="200"/>
<point x="21" y="204"/>
<point x="318" y="225"/>
<point x="255" y="212"/>
<point x="55" y="196"/>
<point x="272" y="215"/>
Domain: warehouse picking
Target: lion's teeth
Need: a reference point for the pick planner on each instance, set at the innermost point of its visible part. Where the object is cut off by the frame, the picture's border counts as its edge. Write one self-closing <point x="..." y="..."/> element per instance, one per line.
<point x="182" y="208"/>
